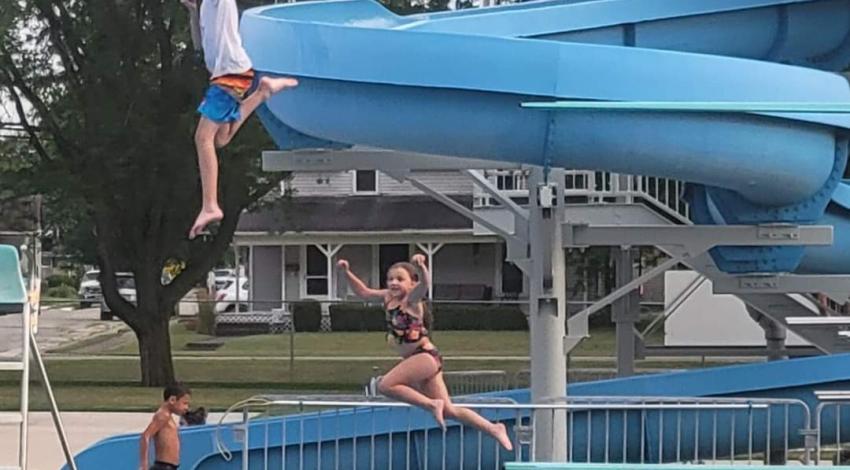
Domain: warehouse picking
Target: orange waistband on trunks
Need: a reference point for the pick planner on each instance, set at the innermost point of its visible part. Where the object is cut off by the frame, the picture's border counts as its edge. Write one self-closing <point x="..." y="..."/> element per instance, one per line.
<point x="238" y="82"/>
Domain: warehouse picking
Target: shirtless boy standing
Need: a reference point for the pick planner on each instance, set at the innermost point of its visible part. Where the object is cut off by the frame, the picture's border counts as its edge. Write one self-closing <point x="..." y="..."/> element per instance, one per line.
<point x="163" y="429"/>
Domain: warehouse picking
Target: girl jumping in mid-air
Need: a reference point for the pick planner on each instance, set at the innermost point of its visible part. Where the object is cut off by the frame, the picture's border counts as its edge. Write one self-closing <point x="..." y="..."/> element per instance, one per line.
<point x="418" y="378"/>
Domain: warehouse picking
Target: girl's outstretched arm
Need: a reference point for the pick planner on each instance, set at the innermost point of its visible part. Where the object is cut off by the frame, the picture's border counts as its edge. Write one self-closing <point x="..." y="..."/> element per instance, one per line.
<point x="360" y="288"/>
<point x="424" y="286"/>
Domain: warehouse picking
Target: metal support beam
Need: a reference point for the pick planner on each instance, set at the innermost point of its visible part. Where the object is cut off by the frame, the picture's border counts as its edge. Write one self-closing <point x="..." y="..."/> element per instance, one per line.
<point x="818" y="321"/>
<point x="54" y="408"/>
<point x="775" y="305"/>
<point x="781" y="307"/>
<point x="517" y="252"/>
<point x="625" y="312"/>
<point x="26" y="332"/>
<point x="365" y="158"/>
<point x="547" y="320"/>
<point x="478" y="178"/>
<point x="697" y="239"/>
<point x="461" y="209"/>
<point x="775" y="334"/>
<point x="675" y="304"/>
<point x="837" y="286"/>
<point x="577" y="324"/>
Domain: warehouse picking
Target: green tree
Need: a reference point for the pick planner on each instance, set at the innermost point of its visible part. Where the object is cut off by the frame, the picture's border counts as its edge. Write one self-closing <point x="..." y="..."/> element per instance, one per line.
<point x="104" y="94"/>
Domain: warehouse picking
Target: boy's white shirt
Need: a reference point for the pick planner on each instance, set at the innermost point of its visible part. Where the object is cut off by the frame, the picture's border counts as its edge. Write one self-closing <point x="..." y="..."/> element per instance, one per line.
<point x="223" y="51"/>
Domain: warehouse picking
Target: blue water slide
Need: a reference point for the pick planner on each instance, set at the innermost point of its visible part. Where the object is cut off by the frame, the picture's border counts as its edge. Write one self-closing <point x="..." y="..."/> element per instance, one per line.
<point x="451" y="84"/>
<point x="399" y="434"/>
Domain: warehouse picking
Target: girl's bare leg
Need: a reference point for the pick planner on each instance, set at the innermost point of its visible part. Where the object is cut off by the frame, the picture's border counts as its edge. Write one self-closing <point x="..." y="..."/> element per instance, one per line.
<point x="399" y="384"/>
<point x="435" y="387"/>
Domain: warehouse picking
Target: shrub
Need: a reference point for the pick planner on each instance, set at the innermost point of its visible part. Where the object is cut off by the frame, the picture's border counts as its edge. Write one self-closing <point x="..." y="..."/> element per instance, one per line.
<point x="354" y="317"/>
<point x="478" y="317"/>
<point x="61" y="292"/>
<point x="307" y="315"/>
<point x="56" y="280"/>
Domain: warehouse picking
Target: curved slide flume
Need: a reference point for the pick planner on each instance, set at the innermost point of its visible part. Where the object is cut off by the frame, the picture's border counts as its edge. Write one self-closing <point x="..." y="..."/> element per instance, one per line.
<point x="452" y="85"/>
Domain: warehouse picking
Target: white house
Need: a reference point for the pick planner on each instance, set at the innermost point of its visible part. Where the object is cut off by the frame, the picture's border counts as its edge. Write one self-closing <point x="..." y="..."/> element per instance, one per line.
<point x="372" y="220"/>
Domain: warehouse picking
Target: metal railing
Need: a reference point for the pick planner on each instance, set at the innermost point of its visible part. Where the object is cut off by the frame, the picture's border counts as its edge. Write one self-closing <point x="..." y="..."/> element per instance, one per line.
<point x="469" y="382"/>
<point x="359" y="433"/>
<point x="833" y="439"/>
<point x="598" y="187"/>
<point x="692" y="430"/>
<point x="464" y="382"/>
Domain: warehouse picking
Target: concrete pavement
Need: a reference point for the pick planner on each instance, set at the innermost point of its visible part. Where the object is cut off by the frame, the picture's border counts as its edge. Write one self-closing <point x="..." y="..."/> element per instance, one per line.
<point x="56" y="328"/>
<point x="83" y="430"/>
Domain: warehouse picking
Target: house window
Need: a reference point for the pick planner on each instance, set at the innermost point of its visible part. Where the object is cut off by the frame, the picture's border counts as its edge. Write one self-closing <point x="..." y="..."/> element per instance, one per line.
<point x="515" y="180"/>
<point x="317" y="272"/>
<point x="365" y="181"/>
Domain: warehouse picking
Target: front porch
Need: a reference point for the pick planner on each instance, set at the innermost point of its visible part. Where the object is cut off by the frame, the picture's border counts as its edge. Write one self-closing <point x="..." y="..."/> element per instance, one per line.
<point x="286" y="268"/>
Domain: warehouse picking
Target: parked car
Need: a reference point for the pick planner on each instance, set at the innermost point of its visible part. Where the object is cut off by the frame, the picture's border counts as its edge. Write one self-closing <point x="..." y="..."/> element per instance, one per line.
<point x="226" y="297"/>
<point x="222" y="276"/>
<point x="126" y="288"/>
<point x="89" y="292"/>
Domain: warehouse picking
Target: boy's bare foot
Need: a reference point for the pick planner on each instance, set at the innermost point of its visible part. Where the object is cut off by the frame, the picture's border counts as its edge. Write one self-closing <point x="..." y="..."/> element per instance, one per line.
<point x="269" y="85"/>
<point x="206" y="217"/>
<point x="436" y="408"/>
<point x="500" y="433"/>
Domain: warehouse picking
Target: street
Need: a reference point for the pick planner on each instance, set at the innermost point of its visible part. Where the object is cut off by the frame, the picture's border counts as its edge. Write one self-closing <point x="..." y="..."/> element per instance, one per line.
<point x="56" y="327"/>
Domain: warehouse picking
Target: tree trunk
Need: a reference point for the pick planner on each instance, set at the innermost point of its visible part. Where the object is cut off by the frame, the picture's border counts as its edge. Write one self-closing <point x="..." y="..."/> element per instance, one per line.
<point x="155" y="352"/>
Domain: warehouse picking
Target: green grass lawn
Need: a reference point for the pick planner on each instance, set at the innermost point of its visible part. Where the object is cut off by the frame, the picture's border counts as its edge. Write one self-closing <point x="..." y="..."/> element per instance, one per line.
<point x="119" y="398"/>
<point x="466" y="343"/>
<point x="451" y="343"/>
<point x="111" y="384"/>
<point x="245" y="366"/>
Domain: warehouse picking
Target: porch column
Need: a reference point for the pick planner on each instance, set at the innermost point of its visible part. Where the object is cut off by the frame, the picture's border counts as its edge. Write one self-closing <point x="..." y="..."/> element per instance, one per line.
<point x="430" y="250"/>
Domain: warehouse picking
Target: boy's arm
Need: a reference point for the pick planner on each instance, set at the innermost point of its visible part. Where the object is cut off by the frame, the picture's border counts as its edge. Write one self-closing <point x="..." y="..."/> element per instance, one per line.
<point x="423" y="287"/>
<point x="360" y="288"/>
<point x="194" y="23"/>
<point x="156" y="424"/>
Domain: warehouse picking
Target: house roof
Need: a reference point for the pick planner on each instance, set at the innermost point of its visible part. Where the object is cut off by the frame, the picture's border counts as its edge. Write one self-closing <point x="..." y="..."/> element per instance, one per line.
<point x="355" y="214"/>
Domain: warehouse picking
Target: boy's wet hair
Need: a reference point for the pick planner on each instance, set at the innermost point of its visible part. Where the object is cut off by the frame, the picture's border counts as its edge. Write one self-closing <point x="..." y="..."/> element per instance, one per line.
<point x="176" y="390"/>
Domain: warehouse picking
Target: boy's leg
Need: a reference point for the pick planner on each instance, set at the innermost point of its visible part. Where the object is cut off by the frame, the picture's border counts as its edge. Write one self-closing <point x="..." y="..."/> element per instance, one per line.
<point x="208" y="165"/>
<point x="211" y="135"/>
<point x="267" y="87"/>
